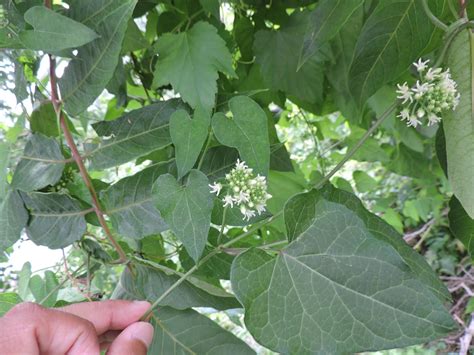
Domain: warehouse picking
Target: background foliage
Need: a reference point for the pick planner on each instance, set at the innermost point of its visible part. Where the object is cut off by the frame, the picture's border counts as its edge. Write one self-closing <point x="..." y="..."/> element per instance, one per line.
<point x="126" y="111"/>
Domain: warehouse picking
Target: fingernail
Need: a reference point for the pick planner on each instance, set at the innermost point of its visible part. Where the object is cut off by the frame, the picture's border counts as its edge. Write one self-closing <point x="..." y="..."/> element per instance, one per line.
<point x="144" y="332"/>
<point x="141" y="304"/>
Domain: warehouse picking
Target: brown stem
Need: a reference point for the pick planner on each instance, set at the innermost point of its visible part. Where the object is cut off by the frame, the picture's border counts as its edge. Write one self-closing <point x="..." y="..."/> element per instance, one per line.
<point x="462" y="8"/>
<point x="77" y="156"/>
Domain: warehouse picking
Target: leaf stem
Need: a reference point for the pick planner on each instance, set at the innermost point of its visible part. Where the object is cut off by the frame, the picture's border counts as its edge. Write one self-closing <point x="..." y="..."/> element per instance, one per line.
<point x="356" y="147"/>
<point x="436" y="21"/>
<point x="208" y="143"/>
<point x="58" y="286"/>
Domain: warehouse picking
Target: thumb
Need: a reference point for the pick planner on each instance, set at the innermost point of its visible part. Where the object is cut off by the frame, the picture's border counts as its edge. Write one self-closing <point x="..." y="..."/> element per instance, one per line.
<point x="135" y="339"/>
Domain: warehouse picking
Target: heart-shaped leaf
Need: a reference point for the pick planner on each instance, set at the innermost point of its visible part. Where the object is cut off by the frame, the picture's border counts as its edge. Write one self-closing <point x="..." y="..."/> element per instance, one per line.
<point x="247" y="131"/>
<point x="13" y="218"/>
<point x="186" y="209"/>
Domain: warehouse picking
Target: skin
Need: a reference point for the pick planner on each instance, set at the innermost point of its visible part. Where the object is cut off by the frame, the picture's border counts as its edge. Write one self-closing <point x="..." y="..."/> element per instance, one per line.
<point x="78" y="329"/>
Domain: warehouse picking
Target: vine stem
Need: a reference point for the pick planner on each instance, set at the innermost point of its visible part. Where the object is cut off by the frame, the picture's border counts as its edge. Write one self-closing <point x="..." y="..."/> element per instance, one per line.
<point x="221" y="232"/>
<point x="77" y="157"/>
<point x="222" y="247"/>
<point x="436" y="21"/>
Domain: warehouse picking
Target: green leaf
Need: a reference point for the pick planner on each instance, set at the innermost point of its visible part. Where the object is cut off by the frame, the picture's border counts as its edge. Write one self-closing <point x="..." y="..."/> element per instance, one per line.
<point x="4" y="160"/>
<point x="324" y="23"/>
<point x="271" y="46"/>
<point x="190" y="62"/>
<point x="43" y="120"/>
<point x="41" y="164"/>
<point x="149" y="284"/>
<point x="44" y="291"/>
<point x="134" y="39"/>
<point x="338" y="288"/>
<point x="133" y="135"/>
<point x="218" y="161"/>
<point x="24" y="280"/>
<point x="13" y="218"/>
<point x="53" y="31"/>
<point x="364" y="182"/>
<point x="396" y="34"/>
<point x="56" y="221"/>
<point x="92" y="68"/>
<point x="188" y="136"/>
<point x="297" y="221"/>
<point x="459" y="125"/>
<point x="130" y="207"/>
<point x="186" y="208"/>
<point x="407" y="162"/>
<point x="189" y="332"/>
<point x="461" y="225"/>
<point x="247" y="131"/>
<point x="7" y="301"/>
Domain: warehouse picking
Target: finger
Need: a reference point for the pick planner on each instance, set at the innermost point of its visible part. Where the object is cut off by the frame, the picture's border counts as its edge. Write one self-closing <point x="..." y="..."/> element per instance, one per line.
<point x="135" y="339"/>
<point x="107" y="338"/>
<point x="50" y="331"/>
<point x="109" y="315"/>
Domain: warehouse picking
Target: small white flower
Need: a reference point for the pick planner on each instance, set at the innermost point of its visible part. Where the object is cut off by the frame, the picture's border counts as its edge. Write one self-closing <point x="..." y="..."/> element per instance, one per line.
<point x="420" y="113"/>
<point x="242" y="197"/>
<point x="432" y="74"/>
<point x="404" y="93"/>
<point x="404" y="114"/>
<point x="433" y="119"/>
<point x="413" y="121"/>
<point x="216" y="188"/>
<point x="421" y="65"/>
<point x="419" y="89"/>
<point x="228" y="201"/>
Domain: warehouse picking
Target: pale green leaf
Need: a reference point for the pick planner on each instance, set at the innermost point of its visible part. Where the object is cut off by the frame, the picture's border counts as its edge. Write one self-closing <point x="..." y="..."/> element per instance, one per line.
<point x="133" y="135"/>
<point x="188" y="332"/>
<point x="56" y="221"/>
<point x="13" y="218"/>
<point x="338" y="288"/>
<point x="41" y="164"/>
<point x="149" y="284"/>
<point x="4" y="160"/>
<point x="277" y="54"/>
<point x="190" y="62"/>
<point x="134" y="38"/>
<point x="45" y="290"/>
<point x="92" y="68"/>
<point x="395" y="35"/>
<point x="7" y="301"/>
<point x="459" y="125"/>
<point x="186" y="209"/>
<point x="53" y="31"/>
<point x="324" y="23"/>
<point x="130" y="206"/>
<point x="24" y="280"/>
<point x="247" y="131"/>
<point x="364" y="182"/>
<point x="188" y="136"/>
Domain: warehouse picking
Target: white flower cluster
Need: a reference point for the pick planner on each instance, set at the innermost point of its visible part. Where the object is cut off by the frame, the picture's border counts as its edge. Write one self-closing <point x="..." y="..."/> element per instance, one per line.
<point x="244" y="190"/>
<point x="434" y="93"/>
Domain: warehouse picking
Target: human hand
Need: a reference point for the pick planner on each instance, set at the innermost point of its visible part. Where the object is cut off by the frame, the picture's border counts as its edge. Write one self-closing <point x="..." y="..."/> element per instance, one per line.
<point x="78" y="329"/>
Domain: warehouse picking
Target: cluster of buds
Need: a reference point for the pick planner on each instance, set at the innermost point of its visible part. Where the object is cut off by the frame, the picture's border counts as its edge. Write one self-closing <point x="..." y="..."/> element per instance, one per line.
<point x="432" y="94"/>
<point x="243" y="189"/>
<point x="66" y="178"/>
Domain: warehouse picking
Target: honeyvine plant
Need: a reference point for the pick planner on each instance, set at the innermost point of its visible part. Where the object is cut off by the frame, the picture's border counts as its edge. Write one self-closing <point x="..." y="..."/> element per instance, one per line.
<point x="181" y="182"/>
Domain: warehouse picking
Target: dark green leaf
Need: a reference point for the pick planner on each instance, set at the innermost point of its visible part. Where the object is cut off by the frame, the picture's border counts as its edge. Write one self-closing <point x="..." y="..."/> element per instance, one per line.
<point x="406" y="162"/>
<point x="459" y="125"/>
<point x="244" y="36"/>
<point x="43" y="120"/>
<point x="41" y="164"/>
<point x="53" y="31"/>
<point x="247" y="131"/>
<point x="13" y="218"/>
<point x="188" y="332"/>
<point x="218" y="161"/>
<point x="7" y="301"/>
<point x="364" y="182"/>
<point x="190" y="62"/>
<point x="45" y="290"/>
<point x="133" y="135"/>
<point x="56" y="221"/>
<point x="149" y="284"/>
<point x="92" y="68"/>
<point x="186" y="209"/>
<point x="4" y="160"/>
<point x="188" y="136"/>
<point x="461" y="225"/>
<point x="324" y="23"/>
<point x="134" y="38"/>
<point x="129" y="204"/>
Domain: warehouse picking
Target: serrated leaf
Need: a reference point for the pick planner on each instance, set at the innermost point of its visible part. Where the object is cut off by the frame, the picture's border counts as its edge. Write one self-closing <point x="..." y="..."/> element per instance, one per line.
<point x="56" y="221"/>
<point x="459" y="125"/>
<point x="41" y="164"/>
<point x="324" y="23"/>
<point x="188" y="332"/>
<point x="190" y="62"/>
<point x="186" y="209"/>
<point x="7" y="301"/>
<point x="396" y="34"/>
<point x="247" y="131"/>
<point x="461" y="225"/>
<point x="133" y="135"/>
<point x="13" y="218"/>
<point x="45" y="290"/>
<point x="271" y="46"/>
<point x="149" y="284"/>
<point x="301" y="206"/>
<point x="338" y="288"/>
<point x="130" y="206"/>
<point x="188" y="136"/>
<point x="53" y="31"/>
<point x="92" y="68"/>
